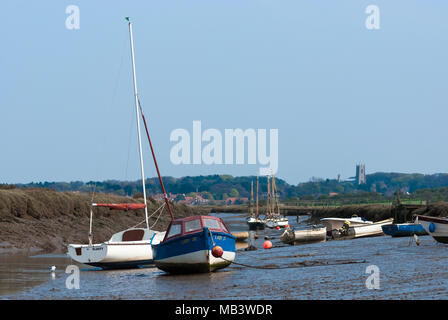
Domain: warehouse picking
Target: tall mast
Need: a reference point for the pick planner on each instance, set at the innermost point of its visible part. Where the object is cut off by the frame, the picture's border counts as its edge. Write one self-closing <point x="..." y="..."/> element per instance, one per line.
<point x="272" y="198"/>
<point x="274" y="190"/>
<point x="269" y="198"/>
<point x="138" y="122"/>
<point x="256" y="210"/>
<point x="252" y="199"/>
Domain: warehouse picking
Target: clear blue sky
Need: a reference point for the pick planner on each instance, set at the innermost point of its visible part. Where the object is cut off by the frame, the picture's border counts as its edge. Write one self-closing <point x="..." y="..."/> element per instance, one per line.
<point x="338" y="93"/>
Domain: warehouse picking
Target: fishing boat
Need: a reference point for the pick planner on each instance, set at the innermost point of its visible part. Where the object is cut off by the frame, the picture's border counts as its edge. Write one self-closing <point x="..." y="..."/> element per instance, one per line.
<point x="435" y="227"/>
<point x="196" y="244"/>
<point x="300" y="236"/>
<point x="404" y="229"/>
<point x="274" y="219"/>
<point x="337" y="223"/>
<point x="254" y="221"/>
<point x="368" y="230"/>
<point x="132" y="247"/>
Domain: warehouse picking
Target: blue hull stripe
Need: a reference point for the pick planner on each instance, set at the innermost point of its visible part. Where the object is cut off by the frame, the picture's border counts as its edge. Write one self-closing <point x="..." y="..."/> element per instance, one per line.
<point x="193" y="242"/>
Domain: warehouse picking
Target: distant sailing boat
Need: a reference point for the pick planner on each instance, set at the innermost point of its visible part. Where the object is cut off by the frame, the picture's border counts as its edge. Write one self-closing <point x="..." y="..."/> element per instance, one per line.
<point x="254" y="220"/>
<point x="275" y="218"/>
<point x="129" y="248"/>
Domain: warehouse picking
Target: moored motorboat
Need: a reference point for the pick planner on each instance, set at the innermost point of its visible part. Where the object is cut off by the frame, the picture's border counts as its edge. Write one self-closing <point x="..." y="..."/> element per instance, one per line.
<point x="368" y="230"/>
<point x="435" y="227"/>
<point x="337" y="223"/>
<point x="300" y="236"/>
<point x="404" y="229"/>
<point x="275" y="222"/>
<point x="196" y="244"/>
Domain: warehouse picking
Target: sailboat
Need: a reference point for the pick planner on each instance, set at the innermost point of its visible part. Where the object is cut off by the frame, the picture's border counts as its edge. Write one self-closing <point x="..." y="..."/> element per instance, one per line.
<point x="254" y="221"/>
<point x="132" y="247"/>
<point x="275" y="219"/>
<point x="192" y="244"/>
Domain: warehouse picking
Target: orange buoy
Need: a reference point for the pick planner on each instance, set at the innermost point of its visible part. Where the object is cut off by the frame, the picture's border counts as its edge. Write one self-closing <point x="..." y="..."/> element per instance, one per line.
<point x="287" y="226"/>
<point x="267" y="244"/>
<point x="217" y="252"/>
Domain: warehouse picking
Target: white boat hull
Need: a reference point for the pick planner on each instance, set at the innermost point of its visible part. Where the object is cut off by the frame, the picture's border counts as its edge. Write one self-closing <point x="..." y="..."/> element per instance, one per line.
<point x="112" y="255"/>
<point x="274" y="223"/>
<point x="370" y="230"/>
<point x="198" y="261"/>
<point x="116" y="254"/>
<point x="337" y="223"/>
<point x="438" y="230"/>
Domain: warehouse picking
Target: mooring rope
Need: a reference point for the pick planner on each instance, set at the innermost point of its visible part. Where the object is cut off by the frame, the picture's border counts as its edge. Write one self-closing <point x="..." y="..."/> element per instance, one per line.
<point x="298" y="265"/>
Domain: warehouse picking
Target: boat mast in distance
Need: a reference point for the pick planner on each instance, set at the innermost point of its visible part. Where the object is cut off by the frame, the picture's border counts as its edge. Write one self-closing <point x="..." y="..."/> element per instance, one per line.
<point x="251" y="199"/>
<point x="256" y="210"/>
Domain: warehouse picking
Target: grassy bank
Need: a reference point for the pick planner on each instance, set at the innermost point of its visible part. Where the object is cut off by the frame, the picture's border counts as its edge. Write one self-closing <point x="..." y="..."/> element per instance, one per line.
<point x="41" y="219"/>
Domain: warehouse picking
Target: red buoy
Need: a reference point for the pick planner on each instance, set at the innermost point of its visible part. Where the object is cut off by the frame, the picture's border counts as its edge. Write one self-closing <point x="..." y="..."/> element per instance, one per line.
<point x="278" y="228"/>
<point x="267" y="244"/>
<point x="287" y="226"/>
<point x="217" y="252"/>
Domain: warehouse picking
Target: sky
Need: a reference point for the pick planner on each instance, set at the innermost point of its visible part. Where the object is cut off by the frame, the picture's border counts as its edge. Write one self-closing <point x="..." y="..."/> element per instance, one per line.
<point x="338" y="93"/>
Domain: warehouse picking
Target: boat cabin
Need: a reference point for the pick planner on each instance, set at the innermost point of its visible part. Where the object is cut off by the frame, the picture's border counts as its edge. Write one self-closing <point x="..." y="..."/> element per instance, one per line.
<point x="189" y="225"/>
<point x="133" y="234"/>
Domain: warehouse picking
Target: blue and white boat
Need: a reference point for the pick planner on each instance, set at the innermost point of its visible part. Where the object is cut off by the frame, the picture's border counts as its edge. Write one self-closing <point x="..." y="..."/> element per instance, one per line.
<point x="436" y="227"/>
<point x="404" y="229"/>
<point x="196" y="244"/>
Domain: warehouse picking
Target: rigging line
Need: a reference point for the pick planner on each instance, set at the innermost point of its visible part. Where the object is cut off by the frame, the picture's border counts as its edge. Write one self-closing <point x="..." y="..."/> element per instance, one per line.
<point x="157" y="218"/>
<point x="155" y="162"/>
<point x="161" y="207"/>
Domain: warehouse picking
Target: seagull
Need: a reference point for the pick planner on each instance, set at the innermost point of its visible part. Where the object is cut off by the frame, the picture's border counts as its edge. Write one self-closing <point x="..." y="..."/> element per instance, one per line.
<point x="52" y="268"/>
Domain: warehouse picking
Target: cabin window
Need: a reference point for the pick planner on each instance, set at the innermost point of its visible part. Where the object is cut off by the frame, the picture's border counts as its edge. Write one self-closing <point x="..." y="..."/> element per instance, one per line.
<point x="175" y="230"/>
<point x="223" y="226"/>
<point x="133" y="235"/>
<point x="211" y="224"/>
<point x="192" y="225"/>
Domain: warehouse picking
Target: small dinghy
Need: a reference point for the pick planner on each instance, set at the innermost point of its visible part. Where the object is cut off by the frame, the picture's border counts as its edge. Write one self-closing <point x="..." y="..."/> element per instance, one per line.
<point x="301" y="236"/>
<point x="404" y="229"/>
<point x="197" y="244"/>
<point x="435" y="227"/>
